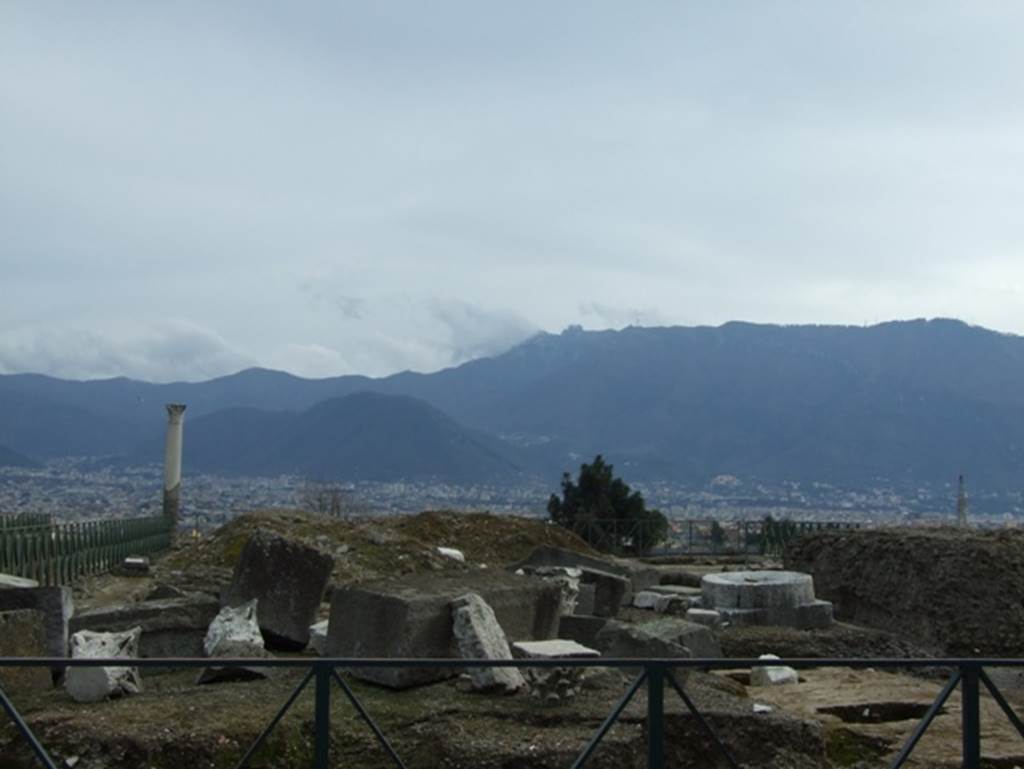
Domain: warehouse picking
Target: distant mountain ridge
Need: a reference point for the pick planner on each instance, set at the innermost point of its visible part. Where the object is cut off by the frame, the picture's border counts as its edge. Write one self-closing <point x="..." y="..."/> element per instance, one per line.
<point x="910" y="401"/>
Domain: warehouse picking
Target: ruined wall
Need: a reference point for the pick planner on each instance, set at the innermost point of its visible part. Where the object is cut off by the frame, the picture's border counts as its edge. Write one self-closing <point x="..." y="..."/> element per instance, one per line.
<point x="950" y="590"/>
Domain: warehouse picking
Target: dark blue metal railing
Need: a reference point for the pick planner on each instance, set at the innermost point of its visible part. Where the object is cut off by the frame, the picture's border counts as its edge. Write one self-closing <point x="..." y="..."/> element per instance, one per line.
<point x="656" y="675"/>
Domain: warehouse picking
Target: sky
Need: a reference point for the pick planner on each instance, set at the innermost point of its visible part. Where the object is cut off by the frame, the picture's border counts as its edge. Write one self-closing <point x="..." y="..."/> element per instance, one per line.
<point x="192" y="188"/>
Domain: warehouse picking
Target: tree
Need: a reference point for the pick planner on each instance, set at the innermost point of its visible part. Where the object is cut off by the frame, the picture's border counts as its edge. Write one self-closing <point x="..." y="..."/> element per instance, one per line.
<point x="604" y="511"/>
<point x="327" y="499"/>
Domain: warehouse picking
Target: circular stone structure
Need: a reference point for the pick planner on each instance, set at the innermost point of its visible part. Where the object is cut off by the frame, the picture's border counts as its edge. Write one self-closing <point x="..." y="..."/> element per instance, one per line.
<point x="757" y="590"/>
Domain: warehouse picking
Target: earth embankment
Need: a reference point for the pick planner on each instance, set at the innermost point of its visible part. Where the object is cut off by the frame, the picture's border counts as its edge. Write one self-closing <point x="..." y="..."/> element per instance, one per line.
<point x="953" y="591"/>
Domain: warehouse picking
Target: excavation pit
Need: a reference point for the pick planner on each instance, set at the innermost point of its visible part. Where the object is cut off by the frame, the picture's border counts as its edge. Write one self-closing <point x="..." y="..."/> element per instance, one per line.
<point x="878" y="712"/>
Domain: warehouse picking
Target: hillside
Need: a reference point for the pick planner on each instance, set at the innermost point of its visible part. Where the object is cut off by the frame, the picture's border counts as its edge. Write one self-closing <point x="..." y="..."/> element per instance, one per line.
<point x="9" y="458"/>
<point x="912" y="402"/>
<point x="365" y="436"/>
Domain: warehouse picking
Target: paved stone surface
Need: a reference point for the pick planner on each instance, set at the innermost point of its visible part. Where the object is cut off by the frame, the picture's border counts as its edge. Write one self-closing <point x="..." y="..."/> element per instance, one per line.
<point x="479" y="636"/>
<point x="288" y="578"/>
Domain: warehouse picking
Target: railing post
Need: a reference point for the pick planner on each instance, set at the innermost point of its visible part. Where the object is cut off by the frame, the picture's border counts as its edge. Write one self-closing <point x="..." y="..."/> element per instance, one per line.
<point x="970" y="709"/>
<point x="655" y="717"/>
<point x="322" y="716"/>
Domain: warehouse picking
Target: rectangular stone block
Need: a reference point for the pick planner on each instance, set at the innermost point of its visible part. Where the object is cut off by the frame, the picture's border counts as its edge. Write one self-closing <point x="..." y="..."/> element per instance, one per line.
<point x="608" y="590"/>
<point x="581" y="628"/>
<point x="56" y="605"/>
<point x="413" y="618"/>
<point x="172" y="627"/>
<point x="23" y="634"/>
<point x="288" y="578"/>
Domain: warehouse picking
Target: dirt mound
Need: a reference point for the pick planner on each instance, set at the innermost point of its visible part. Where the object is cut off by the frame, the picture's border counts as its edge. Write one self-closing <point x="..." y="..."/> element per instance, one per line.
<point x="371" y="548"/>
<point x="953" y="591"/>
<point x="839" y="640"/>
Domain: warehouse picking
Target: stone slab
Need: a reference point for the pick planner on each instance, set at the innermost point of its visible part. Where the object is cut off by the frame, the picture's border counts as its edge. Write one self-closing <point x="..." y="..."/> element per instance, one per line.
<point x="412" y="618"/>
<point x="554" y="648"/>
<point x="173" y="627"/>
<point x="8" y="581"/>
<point x="288" y="578"/>
<point x="23" y="634"/>
<point x="609" y="590"/>
<point x="707" y="617"/>
<point x="681" y="590"/>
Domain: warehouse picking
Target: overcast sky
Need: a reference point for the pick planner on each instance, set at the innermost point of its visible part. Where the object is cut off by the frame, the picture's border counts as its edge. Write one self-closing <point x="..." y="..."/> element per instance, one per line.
<point x="187" y="189"/>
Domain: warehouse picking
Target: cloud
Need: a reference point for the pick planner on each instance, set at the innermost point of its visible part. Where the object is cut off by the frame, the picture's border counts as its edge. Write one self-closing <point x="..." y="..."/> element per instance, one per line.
<point x="471" y="331"/>
<point x="617" y="317"/>
<point x="160" y="352"/>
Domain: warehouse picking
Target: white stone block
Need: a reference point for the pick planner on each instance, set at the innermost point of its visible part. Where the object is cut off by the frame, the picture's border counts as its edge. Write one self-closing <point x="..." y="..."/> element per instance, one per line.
<point x="772" y="675"/>
<point x="318" y="637"/>
<point x="235" y="632"/>
<point x="454" y="554"/>
<point x="102" y="683"/>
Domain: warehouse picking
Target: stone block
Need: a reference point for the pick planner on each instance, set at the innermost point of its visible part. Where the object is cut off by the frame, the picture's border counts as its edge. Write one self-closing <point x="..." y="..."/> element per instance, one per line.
<point x="645" y="599"/>
<point x="581" y="628"/>
<point x="173" y="627"/>
<point x="88" y="684"/>
<point x="23" y="634"/>
<point x="234" y="632"/>
<point x="619" y="639"/>
<point x="772" y="675"/>
<point x="479" y="636"/>
<point x="698" y="639"/>
<point x="454" y="553"/>
<point x="757" y="589"/>
<point x="608" y="590"/>
<point x="318" y="637"/>
<point x="412" y="618"/>
<point x="56" y="605"/>
<point x="678" y="590"/>
<point x="586" y="599"/>
<point x="707" y="617"/>
<point x="640" y="576"/>
<point x="288" y="578"/>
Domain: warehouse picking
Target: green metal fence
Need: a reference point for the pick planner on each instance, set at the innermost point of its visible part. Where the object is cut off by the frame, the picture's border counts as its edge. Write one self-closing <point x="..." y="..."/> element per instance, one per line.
<point x="24" y="520"/>
<point x="58" y="554"/>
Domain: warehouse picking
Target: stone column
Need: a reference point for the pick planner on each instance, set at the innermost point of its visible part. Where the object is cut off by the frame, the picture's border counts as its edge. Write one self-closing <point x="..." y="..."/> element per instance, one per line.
<point x="172" y="461"/>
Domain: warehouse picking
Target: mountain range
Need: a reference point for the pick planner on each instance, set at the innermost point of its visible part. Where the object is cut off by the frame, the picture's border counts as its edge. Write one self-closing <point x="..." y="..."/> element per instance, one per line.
<point x="907" y="402"/>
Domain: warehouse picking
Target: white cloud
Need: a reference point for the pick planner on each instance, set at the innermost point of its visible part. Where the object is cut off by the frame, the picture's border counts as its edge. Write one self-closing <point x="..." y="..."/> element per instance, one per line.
<point x="162" y="352"/>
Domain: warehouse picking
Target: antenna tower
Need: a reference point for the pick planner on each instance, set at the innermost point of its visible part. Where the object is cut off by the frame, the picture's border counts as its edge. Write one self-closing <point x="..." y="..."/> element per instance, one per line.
<point x="961" y="503"/>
